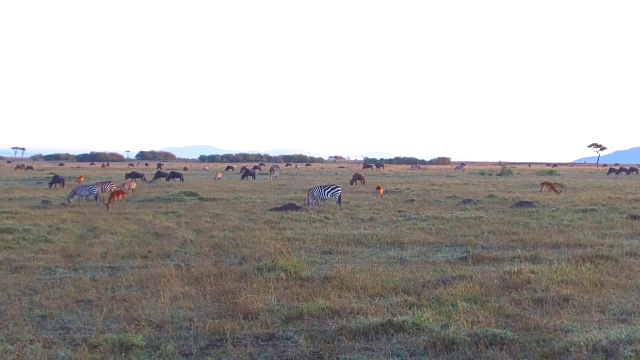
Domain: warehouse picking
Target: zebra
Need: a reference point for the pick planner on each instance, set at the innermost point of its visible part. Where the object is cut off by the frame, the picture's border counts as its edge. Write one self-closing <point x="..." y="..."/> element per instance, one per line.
<point x="321" y="193"/>
<point x="105" y="186"/>
<point x="128" y="185"/>
<point x="84" y="191"/>
<point x="460" y="167"/>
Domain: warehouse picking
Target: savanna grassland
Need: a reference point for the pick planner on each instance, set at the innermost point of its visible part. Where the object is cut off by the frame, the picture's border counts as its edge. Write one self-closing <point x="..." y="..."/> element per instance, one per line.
<point x="202" y="270"/>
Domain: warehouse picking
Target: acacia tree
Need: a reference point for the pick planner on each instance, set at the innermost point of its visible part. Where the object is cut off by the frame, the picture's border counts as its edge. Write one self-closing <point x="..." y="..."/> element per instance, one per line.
<point x="598" y="148"/>
<point x="23" y="150"/>
<point x="15" y="150"/>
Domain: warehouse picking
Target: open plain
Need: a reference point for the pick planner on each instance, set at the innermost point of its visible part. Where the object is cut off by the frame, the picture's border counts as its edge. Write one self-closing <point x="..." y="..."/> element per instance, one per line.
<point x="443" y="266"/>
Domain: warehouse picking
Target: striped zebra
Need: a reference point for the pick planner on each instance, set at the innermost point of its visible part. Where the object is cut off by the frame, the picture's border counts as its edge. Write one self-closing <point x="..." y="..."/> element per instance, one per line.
<point x="106" y="186"/>
<point x="84" y="191"/>
<point x="321" y="193"/>
<point x="128" y="185"/>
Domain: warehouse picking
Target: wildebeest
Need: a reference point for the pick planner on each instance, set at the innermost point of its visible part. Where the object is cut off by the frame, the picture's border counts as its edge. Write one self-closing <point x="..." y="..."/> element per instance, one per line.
<point x="159" y="175"/>
<point x="135" y="175"/>
<point x="243" y="169"/>
<point x="622" y="169"/>
<point x="261" y="164"/>
<point x="379" y="166"/>
<point x="146" y="164"/>
<point x="92" y="164"/>
<point x="56" y="180"/>
<point x="19" y="167"/>
<point x="247" y="174"/>
<point x="257" y="167"/>
<point x="159" y="166"/>
<point x="173" y="175"/>
<point x="29" y="167"/>
<point x="367" y="166"/>
<point x="61" y="164"/>
<point x="230" y="168"/>
<point x="287" y="165"/>
<point x="355" y="178"/>
<point x="131" y="165"/>
<point x="185" y="169"/>
<point x="632" y="169"/>
<point x="612" y="170"/>
<point x="307" y="165"/>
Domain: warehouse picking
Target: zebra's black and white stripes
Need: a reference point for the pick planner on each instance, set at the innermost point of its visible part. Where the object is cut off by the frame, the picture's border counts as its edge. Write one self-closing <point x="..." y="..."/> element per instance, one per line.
<point x="84" y="191"/>
<point x="321" y="193"/>
<point x="106" y="186"/>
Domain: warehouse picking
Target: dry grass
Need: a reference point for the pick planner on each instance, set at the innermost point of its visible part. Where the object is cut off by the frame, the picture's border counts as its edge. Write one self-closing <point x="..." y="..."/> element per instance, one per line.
<point x="202" y="269"/>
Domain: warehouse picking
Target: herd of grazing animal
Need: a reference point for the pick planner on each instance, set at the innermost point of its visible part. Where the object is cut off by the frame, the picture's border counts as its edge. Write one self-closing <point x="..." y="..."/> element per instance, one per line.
<point x="315" y="195"/>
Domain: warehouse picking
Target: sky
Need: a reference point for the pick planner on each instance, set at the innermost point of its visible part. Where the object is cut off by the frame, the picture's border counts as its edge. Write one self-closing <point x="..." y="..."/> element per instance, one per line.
<point x="470" y="80"/>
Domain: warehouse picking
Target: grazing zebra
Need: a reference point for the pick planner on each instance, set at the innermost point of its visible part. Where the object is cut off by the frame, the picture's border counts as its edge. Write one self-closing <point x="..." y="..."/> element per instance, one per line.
<point x="321" y="193"/>
<point x="460" y="167"/>
<point x="84" y="191"/>
<point x="274" y="171"/>
<point x="106" y="186"/>
<point x="128" y="185"/>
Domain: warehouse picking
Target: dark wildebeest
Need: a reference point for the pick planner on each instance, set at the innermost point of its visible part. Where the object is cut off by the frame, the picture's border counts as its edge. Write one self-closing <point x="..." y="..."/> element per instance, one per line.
<point x="135" y="175"/>
<point x="243" y="169"/>
<point x="357" y="177"/>
<point x="146" y="164"/>
<point x="19" y="167"/>
<point x="367" y="166"/>
<point x="131" y="165"/>
<point x="307" y="165"/>
<point x="247" y="174"/>
<point x="185" y="169"/>
<point x="554" y="165"/>
<point x="8" y="161"/>
<point x="159" y="175"/>
<point x="261" y="164"/>
<point x="622" y="169"/>
<point x="173" y="175"/>
<point x="56" y="180"/>
<point x="29" y="167"/>
<point x="632" y="169"/>
<point x="287" y="165"/>
<point x="159" y="166"/>
<point x="61" y="164"/>
<point x="229" y="168"/>
<point x="92" y="164"/>
<point x="257" y="167"/>
<point x="379" y="166"/>
<point x="612" y="170"/>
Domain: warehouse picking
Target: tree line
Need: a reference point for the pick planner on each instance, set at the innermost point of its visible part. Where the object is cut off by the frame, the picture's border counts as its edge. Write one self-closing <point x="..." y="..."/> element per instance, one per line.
<point x="251" y="158"/>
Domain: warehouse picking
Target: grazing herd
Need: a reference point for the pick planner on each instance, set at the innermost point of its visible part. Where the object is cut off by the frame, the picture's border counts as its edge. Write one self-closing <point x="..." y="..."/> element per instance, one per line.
<point x="315" y="195"/>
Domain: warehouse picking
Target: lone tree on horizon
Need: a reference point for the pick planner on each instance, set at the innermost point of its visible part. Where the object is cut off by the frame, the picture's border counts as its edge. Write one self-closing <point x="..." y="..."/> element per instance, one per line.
<point x="23" y="150"/>
<point x="598" y="148"/>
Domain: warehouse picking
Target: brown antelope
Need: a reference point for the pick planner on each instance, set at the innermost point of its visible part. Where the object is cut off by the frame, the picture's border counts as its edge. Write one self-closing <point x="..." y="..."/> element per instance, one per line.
<point x="219" y="176"/>
<point x="118" y="194"/>
<point x="80" y="179"/>
<point x="380" y="191"/>
<point x="549" y="186"/>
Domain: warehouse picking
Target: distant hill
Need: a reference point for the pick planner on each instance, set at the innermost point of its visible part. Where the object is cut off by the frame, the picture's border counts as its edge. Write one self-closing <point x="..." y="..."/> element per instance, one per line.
<point x="194" y="151"/>
<point x="629" y="156"/>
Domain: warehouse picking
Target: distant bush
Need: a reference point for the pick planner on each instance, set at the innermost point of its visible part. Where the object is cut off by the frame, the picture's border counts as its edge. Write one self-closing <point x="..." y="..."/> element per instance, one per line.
<point x="440" y="161"/>
<point x="59" y="157"/>
<point x="505" y="171"/>
<point x="547" y="173"/>
<point x="484" y="173"/>
<point x="99" y="157"/>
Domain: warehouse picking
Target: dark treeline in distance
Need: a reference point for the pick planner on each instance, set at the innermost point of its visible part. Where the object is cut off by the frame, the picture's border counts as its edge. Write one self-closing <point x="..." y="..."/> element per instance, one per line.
<point x="399" y="160"/>
<point x="251" y="158"/>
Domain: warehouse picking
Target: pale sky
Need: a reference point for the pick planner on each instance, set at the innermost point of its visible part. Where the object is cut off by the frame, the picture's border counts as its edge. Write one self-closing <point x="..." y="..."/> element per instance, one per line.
<point x="471" y="80"/>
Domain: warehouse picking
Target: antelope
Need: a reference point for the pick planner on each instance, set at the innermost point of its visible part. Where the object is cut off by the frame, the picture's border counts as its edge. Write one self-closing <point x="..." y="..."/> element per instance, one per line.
<point x="118" y="194"/>
<point x="357" y="177"/>
<point x="549" y="186"/>
<point x="80" y="179"/>
<point x="380" y="192"/>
